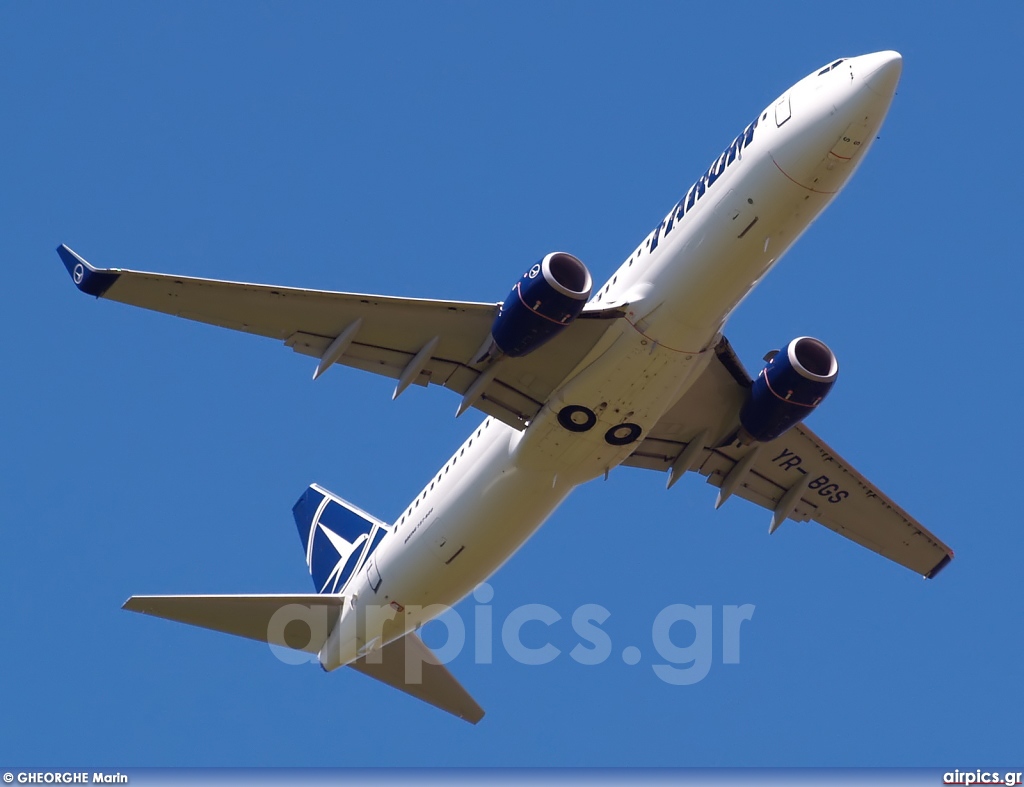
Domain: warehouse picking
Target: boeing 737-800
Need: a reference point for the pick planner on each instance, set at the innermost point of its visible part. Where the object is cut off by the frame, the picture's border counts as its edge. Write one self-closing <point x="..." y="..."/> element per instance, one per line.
<point x="574" y="383"/>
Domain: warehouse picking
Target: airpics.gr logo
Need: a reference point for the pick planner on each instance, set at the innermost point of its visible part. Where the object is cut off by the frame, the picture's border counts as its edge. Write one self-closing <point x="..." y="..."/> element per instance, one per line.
<point x="982" y="777"/>
<point x="684" y="638"/>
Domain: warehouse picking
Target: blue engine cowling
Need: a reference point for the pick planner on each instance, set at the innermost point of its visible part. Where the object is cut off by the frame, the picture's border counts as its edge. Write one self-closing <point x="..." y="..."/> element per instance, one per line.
<point x="548" y="297"/>
<point x="794" y="382"/>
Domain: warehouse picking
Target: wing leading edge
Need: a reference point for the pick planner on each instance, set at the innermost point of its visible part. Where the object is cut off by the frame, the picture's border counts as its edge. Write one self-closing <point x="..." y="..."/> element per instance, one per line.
<point x="412" y="340"/>
<point x="797" y="476"/>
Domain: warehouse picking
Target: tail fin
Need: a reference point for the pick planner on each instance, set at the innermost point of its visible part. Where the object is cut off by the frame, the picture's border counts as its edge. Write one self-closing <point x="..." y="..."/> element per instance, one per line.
<point x="337" y="536"/>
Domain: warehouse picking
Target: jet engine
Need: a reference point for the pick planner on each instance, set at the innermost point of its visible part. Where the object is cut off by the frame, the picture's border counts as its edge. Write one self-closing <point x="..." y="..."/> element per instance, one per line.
<point x="794" y="382"/>
<point x="548" y="297"/>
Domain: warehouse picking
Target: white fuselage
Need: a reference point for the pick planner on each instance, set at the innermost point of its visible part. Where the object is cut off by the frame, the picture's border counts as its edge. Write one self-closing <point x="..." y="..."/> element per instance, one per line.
<point x="677" y="290"/>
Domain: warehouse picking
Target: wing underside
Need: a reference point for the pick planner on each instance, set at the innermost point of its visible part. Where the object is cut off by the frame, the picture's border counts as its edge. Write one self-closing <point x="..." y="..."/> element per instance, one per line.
<point x="797" y="476"/>
<point x="417" y="341"/>
<point x="412" y="340"/>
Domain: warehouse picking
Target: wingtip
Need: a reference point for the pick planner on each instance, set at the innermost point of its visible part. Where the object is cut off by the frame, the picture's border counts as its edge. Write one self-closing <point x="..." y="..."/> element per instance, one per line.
<point x="69" y="258"/>
<point x="137" y="604"/>
<point x="941" y="565"/>
<point x="90" y="280"/>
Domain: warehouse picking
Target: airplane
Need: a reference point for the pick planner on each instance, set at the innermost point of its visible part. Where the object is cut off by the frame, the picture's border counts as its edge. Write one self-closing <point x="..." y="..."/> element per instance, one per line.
<point x="573" y="383"/>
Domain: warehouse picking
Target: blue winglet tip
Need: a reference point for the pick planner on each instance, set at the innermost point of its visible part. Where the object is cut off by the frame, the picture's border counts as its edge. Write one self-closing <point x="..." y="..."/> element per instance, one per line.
<point x="88" y="279"/>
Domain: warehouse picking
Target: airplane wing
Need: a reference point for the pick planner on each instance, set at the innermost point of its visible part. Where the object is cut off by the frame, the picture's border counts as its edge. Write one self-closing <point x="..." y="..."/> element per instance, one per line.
<point x="796" y="476"/>
<point x="415" y="341"/>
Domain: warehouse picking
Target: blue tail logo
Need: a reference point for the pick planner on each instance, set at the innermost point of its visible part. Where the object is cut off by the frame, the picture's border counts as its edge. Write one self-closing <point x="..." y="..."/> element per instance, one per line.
<point x="338" y="537"/>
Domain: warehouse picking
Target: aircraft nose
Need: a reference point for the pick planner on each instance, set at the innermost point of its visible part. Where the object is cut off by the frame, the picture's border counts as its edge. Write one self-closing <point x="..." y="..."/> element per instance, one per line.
<point x="837" y="121"/>
<point x="881" y="71"/>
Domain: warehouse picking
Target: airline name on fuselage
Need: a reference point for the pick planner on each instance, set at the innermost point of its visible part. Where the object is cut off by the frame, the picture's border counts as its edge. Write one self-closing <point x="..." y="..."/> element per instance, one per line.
<point x="704" y="182"/>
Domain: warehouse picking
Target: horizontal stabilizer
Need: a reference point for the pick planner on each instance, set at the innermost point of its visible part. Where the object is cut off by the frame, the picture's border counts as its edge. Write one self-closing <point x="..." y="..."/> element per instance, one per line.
<point x="410" y="666"/>
<point x="301" y="621"/>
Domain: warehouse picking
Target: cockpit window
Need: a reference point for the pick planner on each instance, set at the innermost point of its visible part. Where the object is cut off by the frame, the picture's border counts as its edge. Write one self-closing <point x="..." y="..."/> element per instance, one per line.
<point x="829" y="68"/>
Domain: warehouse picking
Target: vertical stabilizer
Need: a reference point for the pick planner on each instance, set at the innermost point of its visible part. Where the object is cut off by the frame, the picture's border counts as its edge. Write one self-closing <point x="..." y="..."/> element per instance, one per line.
<point x="337" y="537"/>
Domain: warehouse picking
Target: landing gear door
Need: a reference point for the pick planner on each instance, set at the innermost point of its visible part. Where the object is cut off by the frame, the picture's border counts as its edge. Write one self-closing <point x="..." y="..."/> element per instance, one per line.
<point x="782" y="110"/>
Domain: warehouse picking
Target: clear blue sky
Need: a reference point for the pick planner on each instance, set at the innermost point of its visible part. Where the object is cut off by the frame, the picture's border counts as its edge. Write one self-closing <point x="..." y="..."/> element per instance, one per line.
<point x="438" y="150"/>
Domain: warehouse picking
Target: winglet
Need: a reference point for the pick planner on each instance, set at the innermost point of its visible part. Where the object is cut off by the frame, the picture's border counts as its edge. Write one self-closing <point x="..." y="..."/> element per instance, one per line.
<point x="90" y="280"/>
<point x="942" y="564"/>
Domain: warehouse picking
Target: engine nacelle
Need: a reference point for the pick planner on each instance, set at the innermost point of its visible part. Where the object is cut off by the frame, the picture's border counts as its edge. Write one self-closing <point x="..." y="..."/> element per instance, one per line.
<point x="794" y="382"/>
<point x="548" y="297"/>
